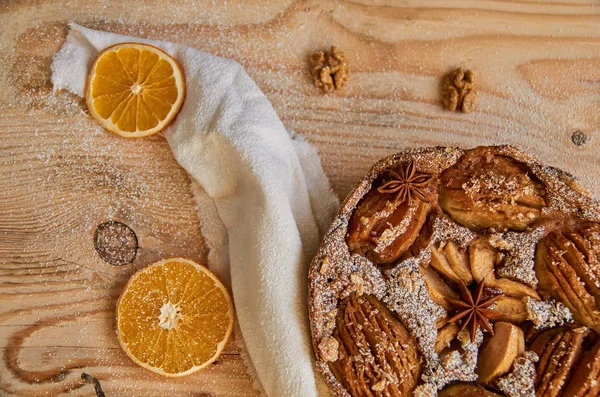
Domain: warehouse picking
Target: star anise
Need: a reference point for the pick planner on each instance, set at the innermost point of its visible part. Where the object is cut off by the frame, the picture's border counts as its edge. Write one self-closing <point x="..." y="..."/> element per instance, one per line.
<point x="474" y="310"/>
<point x="407" y="183"/>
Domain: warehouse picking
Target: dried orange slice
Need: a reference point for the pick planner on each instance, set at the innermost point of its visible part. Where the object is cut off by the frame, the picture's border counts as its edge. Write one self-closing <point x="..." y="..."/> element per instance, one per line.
<point x="174" y="317"/>
<point x="134" y="90"/>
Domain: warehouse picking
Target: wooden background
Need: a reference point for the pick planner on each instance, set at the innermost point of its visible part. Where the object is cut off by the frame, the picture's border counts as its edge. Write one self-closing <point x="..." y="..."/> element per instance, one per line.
<point x="538" y="71"/>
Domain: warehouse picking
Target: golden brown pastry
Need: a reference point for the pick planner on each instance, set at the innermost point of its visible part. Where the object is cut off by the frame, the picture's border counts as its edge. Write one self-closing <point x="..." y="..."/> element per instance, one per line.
<point x="460" y="272"/>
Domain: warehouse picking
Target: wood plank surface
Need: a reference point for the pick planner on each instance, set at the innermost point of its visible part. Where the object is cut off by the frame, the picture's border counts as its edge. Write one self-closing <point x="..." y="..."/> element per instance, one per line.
<point x="537" y="65"/>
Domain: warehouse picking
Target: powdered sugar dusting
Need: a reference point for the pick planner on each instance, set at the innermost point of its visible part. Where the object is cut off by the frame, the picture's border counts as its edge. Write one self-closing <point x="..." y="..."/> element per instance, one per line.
<point x="445" y="229"/>
<point x="455" y="365"/>
<point x="519" y="249"/>
<point x="547" y="314"/>
<point x="520" y="381"/>
<point x="408" y="296"/>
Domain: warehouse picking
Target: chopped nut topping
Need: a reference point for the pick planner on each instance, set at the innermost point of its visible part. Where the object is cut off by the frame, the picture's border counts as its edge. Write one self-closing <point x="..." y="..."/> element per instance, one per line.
<point x="379" y="386"/>
<point x="459" y="91"/>
<point x="329" y="348"/>
<point x="325" y="265"/>
<point x="358" y="282"/>
<point x="330" y="70"/>
<point x="330" y="324"/>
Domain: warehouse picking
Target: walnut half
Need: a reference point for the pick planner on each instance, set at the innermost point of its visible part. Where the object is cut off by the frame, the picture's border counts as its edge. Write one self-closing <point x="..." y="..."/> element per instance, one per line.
<point x="459" y="92"/>
<point x="330" y="70"/>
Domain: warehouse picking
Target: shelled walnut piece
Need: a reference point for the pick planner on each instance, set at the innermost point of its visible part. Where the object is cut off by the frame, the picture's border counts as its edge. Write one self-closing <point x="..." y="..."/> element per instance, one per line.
<point x="459" y="91"/>
<point x="330" y="70"/>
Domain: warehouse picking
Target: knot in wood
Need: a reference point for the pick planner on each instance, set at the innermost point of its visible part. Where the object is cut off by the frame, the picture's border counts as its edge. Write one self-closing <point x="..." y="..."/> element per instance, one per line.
<point x="116" y="243"/>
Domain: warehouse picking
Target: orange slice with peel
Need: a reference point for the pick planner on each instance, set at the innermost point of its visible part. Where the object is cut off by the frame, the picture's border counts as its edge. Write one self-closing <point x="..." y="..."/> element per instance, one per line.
<point x="174" y="317"/>
<point x="134" y="90"/>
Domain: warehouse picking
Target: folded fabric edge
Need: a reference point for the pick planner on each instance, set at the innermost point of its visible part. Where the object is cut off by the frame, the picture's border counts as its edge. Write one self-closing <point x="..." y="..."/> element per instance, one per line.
<point x="241" y="344"/>
<point x="213" y="232"/>
<point x="323" y="200"/>
<point x="71" y="61"/>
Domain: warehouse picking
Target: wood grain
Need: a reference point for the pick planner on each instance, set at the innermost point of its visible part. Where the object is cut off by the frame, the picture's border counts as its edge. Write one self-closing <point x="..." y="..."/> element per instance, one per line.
<point x="538" y="70"/>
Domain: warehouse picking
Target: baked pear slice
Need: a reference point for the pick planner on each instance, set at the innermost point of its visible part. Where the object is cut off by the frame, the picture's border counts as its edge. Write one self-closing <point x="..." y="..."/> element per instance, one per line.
<point x="499" y="352"/>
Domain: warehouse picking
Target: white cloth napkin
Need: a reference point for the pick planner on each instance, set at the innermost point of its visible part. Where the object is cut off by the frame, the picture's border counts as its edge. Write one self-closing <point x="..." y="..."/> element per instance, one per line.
<point x="267" y="186"/>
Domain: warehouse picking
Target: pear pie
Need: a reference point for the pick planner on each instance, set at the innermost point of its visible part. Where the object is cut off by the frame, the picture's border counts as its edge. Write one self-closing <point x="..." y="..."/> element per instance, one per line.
<point x="453" y="272"/>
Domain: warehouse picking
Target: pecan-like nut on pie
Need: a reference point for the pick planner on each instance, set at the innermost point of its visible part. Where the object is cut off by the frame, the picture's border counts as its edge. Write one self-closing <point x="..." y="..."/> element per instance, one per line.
<point x="466" y="390"/>
<point x="559" y="350"/>
<point x="585" y="381"/>
<point x="376" y="352"/>
<point x="487" y="190"/>
<point x="567" y="264"/>
<point x="382" y="227"/>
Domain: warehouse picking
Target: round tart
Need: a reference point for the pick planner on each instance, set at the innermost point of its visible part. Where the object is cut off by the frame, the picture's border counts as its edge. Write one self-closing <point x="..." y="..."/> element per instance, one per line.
<point x="457" y="272"/>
